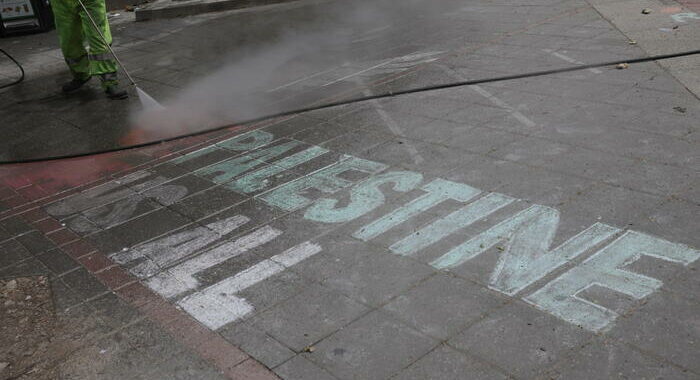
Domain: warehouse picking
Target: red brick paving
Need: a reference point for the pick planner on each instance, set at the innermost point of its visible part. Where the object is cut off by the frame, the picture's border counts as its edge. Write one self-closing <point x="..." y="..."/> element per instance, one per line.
<point x="114" y="277"/>
<point x="23" y="188"/>
<point x="47" y="225"/>
<point x="78" y="249"/>
<point x="96" y="262"/>
<point x="62" y="236"/>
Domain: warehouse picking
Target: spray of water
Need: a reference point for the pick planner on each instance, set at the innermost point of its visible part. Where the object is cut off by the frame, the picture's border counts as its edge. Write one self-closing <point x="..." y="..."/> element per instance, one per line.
<point x="148" y="104"/>
<point x="317" y="37"/>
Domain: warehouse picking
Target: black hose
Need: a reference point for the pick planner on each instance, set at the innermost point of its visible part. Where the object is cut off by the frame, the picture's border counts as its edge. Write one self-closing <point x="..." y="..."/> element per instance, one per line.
<point x="21" y="69"/>
<point x="371" y="97"/>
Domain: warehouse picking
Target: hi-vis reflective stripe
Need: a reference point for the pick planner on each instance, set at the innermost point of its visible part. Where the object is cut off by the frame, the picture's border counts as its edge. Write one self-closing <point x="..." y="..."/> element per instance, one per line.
<point x="100" y="57"/>
<point x="74" y="61"/>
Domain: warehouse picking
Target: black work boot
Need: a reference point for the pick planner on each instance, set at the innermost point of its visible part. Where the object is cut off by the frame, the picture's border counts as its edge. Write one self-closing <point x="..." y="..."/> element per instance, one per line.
<point x="115" y="92"/>
<point x="74" y="85"/>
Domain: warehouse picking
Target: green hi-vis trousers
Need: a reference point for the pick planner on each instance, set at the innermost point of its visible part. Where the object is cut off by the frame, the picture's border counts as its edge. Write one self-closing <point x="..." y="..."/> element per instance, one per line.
<point x="75" y="30"/>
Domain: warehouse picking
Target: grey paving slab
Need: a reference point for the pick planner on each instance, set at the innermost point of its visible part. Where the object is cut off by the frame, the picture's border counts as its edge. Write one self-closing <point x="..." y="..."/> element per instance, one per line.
<point x="675" y="220"/>
<point x="692" y="192"/>
<point x="62" y="296"/>
<point x="144" y="180"/>
<point x="258" y="344"/>
<point x="521" y="340"/>
<point x="57" y="262"/>
<point x="476" y="113"/>
<point x="112" y="214"/>
<point x="177" y="189"/>
<point x="258" y="214"/>
<point x="443" y="305"/>
<point x="105" y="241"/>
<point x="300" y="368"/>
<point x="614" y="205"/>
<point x="93" y="197"/>
<point x="609" y="359"/>
<point x="143" y="228"/>
<point x="87" y="362"/>
<point x="571" y="89"/>
<point x="538" y="186"/>
<point x="308" y="317"/>
<point x="114" y="312"/>
<point x="663" y="326"/>
<point x="80" y="225"/>
<point x="35" y="242"/>
<point x="686" y="283"/>
<point x="149" y="344"/>
<point x="597" y="165"/>
<point x="481" y="140"/>
<point x="203" y="157"/>
<point x="323" y="132"/>
<point x="375" y="279"/>
<point x="357" y="143"/>
<point x="340" y="252"/>
<point x="445" y="363"/>
<point x="406" y="125"/>
<point x="430" y="105"/>
<point x="274" y="290"/>
<point x="29" y="267"/>
<point x="295" y="230"/>
<point x="4" y="235"/>
<point x="13" y="252"/>
<point x="135" y="354"/>
<point x="208" y="202"/>
<point x="428" y="158"/>
<point x="350" y="353"/>
<point x="595" y="119"/>
<point x="89" y="327"/>
<point x="186" y="367"/>
<point x="14" y="225"/>
<point x="83" y="284"/>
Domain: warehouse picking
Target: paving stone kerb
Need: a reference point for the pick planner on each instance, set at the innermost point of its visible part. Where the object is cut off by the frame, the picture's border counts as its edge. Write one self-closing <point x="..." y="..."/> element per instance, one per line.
<point x="164" y="9"/>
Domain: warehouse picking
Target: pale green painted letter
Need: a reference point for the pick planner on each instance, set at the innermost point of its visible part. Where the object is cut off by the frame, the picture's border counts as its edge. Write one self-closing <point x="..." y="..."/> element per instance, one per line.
<point x="438" y="190"/>
<point x="606" y="268"/>
<point x="290" y="196"/>
<point x="364" y="197"/>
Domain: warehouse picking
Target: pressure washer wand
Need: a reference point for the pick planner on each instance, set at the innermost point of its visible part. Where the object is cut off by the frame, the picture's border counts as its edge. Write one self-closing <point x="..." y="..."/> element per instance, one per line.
<point x="97" y="29"/>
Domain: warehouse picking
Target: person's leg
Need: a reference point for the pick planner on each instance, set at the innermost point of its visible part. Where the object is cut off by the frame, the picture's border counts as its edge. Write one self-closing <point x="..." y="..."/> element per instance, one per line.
<point x="102" y="63"/>
<point x="70" y="36"/>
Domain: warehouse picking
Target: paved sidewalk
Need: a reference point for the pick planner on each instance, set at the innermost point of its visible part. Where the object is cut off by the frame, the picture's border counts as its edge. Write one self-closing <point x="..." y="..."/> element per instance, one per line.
<point x="532" y="229"/>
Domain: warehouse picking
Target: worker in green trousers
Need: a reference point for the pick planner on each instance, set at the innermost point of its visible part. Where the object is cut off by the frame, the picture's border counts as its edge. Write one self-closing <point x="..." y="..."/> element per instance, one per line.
<point x="75" y="31"/>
